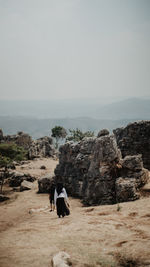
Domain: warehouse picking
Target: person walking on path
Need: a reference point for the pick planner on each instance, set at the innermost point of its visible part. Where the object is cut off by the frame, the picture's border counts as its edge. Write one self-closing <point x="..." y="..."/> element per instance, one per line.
<point x="61" y="200"/>
<point x="51" y="197"/>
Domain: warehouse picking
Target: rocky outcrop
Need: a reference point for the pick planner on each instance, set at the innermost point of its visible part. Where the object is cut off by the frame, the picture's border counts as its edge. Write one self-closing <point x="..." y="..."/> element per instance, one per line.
<point x="21" y="139"/>
<point x="94" y="170"/>
<point x="42" y="147"/>
<point x="133" y="177"/>
<point x="44" y="183"/>
<point x="135" y="139"/>
<point x="16" y="178"/>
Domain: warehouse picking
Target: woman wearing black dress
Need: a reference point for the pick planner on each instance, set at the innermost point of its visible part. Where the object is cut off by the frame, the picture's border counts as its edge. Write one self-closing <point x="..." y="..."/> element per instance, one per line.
<point x="61" y="200"/>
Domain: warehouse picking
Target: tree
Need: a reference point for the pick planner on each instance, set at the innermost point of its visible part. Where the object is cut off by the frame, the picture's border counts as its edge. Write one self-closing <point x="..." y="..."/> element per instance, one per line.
<point x="77" y="135"/>
<point x="58" y="132"/>
<point x="9" y="153"/>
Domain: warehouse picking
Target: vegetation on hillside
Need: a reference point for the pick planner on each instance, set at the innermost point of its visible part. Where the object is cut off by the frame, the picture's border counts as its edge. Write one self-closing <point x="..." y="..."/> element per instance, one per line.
<point x="77" y="135"/>
<point x="9" y="153"/>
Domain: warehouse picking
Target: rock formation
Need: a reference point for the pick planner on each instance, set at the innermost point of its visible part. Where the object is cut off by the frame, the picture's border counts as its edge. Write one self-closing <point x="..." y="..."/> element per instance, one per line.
<point x="21" y="139"/>
<point x="44" y="183"/>
<point x="42" y="147"/>
<point x="16" y="178"/>
<point x="135" y="139"/>
<point x="94" y="170"/>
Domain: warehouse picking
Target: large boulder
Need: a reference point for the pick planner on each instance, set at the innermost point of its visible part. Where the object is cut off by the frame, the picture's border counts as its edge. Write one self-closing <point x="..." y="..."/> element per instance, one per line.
<point x="132" y="167"/>
<point x="44" y="183"/>
<point x="126" y="189"/>
<point x="16" y="178"/>
<point x="25" y="185"/>
<point x="103" y="132"/>
<point x="135" y="139"/>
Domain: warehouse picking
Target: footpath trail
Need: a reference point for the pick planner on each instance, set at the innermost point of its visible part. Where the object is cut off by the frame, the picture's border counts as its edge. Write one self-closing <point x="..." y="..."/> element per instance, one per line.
<point x="93" y="236"/>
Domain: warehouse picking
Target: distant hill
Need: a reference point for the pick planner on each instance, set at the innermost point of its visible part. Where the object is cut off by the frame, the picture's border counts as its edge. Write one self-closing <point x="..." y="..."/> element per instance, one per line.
<point x="42" y="127"/>
<point x="127" y="109"/>
<point x="133" y="108"/>
<point x="38" y="117"/>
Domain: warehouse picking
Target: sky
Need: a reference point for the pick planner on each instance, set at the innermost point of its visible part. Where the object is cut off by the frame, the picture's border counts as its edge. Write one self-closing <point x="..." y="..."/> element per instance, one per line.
<point x="62" y="49"/>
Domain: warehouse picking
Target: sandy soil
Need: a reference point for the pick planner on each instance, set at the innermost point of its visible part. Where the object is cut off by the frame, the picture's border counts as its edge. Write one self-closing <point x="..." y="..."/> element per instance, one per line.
<point x="93" y="236"/>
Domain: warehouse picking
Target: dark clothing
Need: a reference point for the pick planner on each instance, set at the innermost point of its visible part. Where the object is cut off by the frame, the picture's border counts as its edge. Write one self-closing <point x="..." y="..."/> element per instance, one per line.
<point x="62" y="209"/>
<point x="51" y="192"/>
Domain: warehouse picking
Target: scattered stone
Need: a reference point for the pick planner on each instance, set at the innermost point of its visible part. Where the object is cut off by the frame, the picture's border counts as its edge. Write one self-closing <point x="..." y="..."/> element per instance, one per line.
<point x="3" y="198"/>
<point x="135" y="139"/>
<point x="61" y="259"/>
<point x="44" y="183"/>
<point x="25" y="185"/>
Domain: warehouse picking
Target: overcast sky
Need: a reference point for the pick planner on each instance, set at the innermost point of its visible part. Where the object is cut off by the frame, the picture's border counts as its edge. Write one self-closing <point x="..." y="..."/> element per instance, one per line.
<point x="74" y="49"/>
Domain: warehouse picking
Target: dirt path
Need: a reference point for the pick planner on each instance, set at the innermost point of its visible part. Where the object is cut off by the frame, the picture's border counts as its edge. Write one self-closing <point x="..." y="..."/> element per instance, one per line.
<point x="31" y="235"/>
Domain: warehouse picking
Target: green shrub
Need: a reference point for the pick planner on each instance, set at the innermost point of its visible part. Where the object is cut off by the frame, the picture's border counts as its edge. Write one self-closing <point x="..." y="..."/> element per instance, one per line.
<point x="12" y="152"/>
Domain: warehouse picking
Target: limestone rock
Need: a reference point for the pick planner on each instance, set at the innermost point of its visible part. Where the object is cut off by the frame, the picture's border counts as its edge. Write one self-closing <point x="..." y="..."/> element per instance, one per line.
<point x="25" y="185"/>
<point x="61" y="259"/>
<point x="135" y="139"/>
<point x="132" y="166"/>
<point x="126" y="189"/>
<point x="133" y="163"/>
<point x="103" y="133"/>
<point x="42" y="147"/>
<point x="21" y="139"/>
<point x="90" y="170"/>
<point x="16" y="178"/>
<point x="44" y="183"/>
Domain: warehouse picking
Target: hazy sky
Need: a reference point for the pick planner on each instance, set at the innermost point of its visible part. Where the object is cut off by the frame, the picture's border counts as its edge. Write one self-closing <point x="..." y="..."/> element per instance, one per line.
<point x="74" y="48"/>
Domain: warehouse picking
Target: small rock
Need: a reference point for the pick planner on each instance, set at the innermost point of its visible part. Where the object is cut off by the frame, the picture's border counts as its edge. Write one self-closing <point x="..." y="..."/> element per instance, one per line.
<point x="43" y="167"/>
<point x="61" y="259"/>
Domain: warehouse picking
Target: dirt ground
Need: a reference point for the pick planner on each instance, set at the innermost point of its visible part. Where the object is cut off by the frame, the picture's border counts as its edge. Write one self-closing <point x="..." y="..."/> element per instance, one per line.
<point x="93" y="236"/>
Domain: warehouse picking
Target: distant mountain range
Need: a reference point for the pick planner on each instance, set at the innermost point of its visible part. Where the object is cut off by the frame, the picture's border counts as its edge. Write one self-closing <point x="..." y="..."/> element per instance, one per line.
<point x="38" y="117"/>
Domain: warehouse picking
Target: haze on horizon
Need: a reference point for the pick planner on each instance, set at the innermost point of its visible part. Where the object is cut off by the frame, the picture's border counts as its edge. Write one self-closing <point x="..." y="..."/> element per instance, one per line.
<point x="64" y="49"/>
